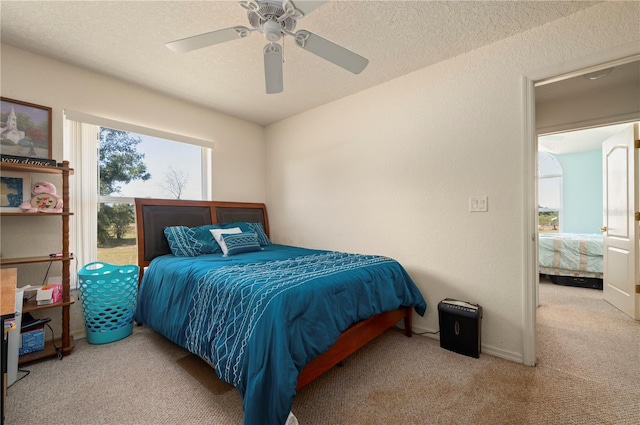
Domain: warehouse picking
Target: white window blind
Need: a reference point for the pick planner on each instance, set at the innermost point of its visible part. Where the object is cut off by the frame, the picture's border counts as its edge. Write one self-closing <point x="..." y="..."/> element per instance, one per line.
<point x="80" y="146"/>
<point x="134" y="128"/>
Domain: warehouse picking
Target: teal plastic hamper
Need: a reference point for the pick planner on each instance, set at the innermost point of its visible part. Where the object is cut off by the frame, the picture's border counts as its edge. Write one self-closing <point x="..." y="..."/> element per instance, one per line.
<point x="108" y="296"/>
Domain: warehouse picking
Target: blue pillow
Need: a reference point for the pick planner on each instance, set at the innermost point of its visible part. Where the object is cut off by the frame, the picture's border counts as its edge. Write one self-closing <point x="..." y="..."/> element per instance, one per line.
<point x="204" y="236"/>
<point x="244" y="226"/>
<point x="263" y="239"/>
<point x="237" y="243"/>
<point x="182" y="241"/>
<point x="257" y="228"/>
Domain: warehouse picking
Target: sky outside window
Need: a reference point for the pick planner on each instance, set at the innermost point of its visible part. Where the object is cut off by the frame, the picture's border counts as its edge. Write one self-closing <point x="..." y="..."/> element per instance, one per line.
<point x="550" y="182"/>
<point x="159" y="156"/>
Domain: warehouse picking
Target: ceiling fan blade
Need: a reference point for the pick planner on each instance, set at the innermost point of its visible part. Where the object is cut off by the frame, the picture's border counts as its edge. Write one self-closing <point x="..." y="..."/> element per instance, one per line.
<point x="207" y="39"/>
<point x="273" y="68"/>
<point x="304" y="7"/>
<point x="330" y="51"/>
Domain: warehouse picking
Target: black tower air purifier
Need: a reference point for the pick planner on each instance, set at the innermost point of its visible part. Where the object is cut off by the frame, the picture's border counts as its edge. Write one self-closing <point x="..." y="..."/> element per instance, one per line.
<point x="460" y="326"/>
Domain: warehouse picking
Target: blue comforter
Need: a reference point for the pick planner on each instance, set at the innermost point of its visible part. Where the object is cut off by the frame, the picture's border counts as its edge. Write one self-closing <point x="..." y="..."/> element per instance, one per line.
<point x="260" y="317"/>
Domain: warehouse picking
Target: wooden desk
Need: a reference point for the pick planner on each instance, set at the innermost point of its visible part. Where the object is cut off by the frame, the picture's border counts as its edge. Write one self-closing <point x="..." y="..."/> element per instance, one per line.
<point x="8" y="282"/>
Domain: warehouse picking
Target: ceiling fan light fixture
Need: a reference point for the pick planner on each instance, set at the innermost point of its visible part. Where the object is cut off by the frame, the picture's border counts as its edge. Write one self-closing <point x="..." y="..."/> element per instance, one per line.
<point x="272" y="30"/>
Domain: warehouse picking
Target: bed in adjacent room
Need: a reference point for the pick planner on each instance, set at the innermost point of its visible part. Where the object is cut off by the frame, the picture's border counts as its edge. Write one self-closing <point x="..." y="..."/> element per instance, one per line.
<point x="571" y="259"/>
<point x="270" y="318"/>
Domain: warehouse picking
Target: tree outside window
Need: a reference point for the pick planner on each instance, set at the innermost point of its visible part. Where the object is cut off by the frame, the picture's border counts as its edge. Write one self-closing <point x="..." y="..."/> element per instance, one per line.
<point x="549" y="193"/>
<point x="134" y="165"/>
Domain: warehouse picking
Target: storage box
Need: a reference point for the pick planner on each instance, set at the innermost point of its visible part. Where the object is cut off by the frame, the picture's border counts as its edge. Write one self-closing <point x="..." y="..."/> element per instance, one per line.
<point x="32" y="341"/>
<point x="56" y="291"/>
<point x="460" y="327"/>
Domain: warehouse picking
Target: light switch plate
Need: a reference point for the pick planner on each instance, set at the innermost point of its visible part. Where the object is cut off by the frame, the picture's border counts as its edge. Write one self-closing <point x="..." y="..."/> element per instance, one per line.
<point x="478" y="204"/>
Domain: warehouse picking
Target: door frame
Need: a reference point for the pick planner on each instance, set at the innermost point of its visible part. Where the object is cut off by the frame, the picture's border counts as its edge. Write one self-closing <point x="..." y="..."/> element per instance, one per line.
<point x="530" y="276"/>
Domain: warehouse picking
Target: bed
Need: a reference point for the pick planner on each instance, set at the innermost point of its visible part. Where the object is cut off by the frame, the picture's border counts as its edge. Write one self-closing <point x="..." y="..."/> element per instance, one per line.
<point x="571" y="258"/>
<point x="270" y="320"/>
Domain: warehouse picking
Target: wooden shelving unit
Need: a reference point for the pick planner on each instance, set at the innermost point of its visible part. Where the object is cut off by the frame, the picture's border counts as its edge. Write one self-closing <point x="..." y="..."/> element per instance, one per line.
<point x="63" y="345"/>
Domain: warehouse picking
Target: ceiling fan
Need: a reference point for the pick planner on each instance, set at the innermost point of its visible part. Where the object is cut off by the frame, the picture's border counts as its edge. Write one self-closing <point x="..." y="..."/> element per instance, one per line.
<point x="274" y="19"/>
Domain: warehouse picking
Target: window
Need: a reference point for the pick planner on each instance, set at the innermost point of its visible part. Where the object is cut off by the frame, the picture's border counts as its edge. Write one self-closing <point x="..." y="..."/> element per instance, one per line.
<point x="133" y="165"/>
<point x="116" y="162"/>
<point x="549" y="193"/>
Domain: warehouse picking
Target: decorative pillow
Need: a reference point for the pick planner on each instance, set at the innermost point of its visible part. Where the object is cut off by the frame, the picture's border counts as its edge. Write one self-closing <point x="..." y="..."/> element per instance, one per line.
<point x="243" y="225"/>
<point x="217" y="235"/>
<point x="204" y="236"/>
<point x="263" y="239"/>
<point x="182" y="241"/>
<point x="257" y="228"/>
<point x="237" y="243"/>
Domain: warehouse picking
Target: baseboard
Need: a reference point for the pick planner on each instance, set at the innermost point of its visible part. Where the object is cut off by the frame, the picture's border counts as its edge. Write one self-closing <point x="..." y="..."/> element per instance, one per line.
<point x="503" y="354"/>
<point x="77" y="334"/>
<point x="485" y="349"/>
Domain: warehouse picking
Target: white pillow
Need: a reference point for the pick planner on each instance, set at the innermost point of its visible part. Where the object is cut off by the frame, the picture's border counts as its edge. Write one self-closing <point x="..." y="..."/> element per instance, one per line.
<point x="217" y="235"/>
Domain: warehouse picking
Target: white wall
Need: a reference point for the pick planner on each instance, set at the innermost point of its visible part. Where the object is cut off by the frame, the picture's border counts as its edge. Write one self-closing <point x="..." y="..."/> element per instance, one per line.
<point x="390" y="170"/>
<point x="238" y="169"/>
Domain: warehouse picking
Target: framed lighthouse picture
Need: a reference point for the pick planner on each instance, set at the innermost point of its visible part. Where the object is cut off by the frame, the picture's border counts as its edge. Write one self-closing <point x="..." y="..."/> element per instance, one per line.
<point x="25" y="129"/>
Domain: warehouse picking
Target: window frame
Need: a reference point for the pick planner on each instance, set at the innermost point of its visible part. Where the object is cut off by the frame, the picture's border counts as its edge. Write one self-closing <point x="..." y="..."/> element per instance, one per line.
<point x="81" y="138"/>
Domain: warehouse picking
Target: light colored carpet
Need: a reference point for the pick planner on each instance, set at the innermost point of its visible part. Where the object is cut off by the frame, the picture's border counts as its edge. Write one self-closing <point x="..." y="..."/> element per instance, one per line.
<point x="588" y="373"/>
<point x="203" y="373"/>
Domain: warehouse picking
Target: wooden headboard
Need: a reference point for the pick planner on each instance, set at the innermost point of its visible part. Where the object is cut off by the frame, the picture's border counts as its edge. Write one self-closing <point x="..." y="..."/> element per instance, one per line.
<point x="153" y="215"/>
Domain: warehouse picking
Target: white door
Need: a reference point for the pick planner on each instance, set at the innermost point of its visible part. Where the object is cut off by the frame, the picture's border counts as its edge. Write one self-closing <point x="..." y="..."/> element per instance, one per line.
<point x="620" y="229"/>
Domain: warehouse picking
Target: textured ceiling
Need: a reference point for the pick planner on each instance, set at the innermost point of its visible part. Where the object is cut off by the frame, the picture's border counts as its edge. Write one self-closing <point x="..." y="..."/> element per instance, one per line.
<point x="125" y="40"/>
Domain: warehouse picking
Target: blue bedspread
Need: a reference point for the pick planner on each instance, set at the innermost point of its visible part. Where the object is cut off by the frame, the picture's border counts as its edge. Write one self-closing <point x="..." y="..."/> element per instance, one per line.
<point x="260" y="317"/>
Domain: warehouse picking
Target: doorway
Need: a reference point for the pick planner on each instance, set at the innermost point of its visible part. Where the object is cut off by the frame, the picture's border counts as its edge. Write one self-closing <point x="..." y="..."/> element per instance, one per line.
<point x="535" y="124"/>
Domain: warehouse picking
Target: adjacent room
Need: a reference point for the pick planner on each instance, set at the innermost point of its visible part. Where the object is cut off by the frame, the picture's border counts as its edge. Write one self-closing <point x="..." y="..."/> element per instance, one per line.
<point x="320" y="212"/>
<point x="570" y="180"/>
